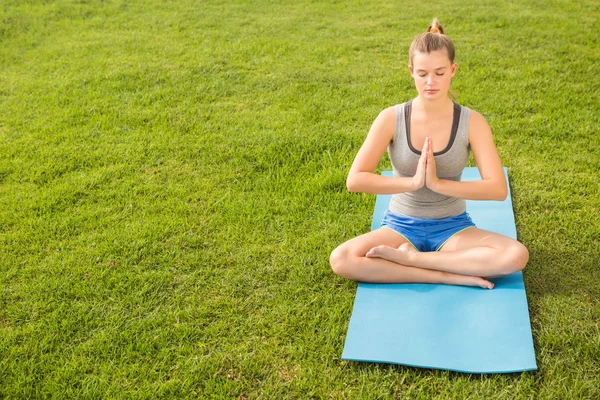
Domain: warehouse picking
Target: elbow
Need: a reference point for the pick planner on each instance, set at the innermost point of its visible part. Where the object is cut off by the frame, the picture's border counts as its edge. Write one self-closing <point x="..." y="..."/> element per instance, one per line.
<point x="497" y="191"/>
<point x="502" y="194"/>
<point x="351" y="183"/>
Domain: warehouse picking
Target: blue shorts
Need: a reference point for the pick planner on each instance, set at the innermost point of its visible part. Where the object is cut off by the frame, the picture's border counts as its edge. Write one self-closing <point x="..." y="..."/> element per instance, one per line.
<point x="427" y="234"/>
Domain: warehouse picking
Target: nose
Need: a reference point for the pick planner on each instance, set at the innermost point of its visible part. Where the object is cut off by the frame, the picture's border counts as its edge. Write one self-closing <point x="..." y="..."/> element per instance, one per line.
<point x="429" y="79"/>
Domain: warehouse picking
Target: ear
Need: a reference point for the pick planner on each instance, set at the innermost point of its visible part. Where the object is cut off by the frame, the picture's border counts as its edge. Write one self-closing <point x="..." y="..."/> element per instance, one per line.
<point x="411" y="69"/>
<point x="453" y="70"/>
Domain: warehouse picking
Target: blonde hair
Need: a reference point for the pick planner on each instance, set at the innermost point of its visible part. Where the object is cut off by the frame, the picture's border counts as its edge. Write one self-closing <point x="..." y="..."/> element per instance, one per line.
<point x="432" y="40"/>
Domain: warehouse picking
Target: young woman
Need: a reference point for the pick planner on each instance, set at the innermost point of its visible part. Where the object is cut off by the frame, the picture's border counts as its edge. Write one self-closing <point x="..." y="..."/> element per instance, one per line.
<point x="426" y="235"/>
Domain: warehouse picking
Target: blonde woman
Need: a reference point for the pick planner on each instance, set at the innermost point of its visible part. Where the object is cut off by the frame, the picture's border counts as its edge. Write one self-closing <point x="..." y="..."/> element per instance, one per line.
<point x="426" y="235"/>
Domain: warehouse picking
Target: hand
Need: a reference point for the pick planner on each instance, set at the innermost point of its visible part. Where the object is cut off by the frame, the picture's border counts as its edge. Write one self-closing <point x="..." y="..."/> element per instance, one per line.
<point x="419" y="178"/>
<point x="431" y="178"/>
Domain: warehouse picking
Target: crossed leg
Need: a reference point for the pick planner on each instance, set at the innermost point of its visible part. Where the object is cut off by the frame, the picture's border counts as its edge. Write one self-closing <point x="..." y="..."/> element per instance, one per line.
<point x="473" y="252"/>
<point x="349" y="260"/>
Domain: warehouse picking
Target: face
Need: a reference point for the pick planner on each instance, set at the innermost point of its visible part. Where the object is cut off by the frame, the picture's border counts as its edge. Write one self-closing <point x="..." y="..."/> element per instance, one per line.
<point x="432" y="73"/>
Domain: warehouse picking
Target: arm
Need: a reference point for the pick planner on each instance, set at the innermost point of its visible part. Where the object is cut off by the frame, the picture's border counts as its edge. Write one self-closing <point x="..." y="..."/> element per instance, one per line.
<point x="492" y="185"/>
<point x="361" y="177"/>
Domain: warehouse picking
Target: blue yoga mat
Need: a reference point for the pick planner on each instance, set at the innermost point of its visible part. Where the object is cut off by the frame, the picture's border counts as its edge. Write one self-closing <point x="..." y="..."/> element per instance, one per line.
<point x="447" y="327"/>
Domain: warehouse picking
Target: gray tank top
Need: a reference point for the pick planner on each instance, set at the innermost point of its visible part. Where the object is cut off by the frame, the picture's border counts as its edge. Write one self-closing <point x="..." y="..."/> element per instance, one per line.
<point x="450" y="162"/>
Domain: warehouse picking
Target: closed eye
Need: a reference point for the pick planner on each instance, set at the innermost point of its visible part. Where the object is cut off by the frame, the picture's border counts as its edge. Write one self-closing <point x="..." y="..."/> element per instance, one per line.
<point x="424" y="75"/>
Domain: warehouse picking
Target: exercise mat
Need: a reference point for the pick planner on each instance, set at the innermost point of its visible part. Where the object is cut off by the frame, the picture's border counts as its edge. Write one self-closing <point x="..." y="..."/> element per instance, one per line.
<point x="455" y="328"/>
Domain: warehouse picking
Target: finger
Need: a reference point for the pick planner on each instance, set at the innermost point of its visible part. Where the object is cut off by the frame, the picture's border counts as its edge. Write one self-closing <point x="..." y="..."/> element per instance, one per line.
<point x="429" y="146"/>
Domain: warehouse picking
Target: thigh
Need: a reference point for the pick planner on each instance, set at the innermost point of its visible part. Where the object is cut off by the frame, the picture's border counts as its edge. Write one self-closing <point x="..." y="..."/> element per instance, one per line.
<point x="360" y="245"/>
<point x="475" y="237"/>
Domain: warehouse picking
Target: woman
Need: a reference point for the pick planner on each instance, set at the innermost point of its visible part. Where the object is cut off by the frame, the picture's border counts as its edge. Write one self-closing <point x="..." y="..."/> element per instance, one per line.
<point x="426" y="235"/>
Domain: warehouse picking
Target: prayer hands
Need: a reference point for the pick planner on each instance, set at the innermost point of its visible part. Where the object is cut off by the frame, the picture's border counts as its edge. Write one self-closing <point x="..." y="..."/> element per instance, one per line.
<point x="431" y="177"/>
<point x="426" y="174"/>
<point x="420" y="174"/>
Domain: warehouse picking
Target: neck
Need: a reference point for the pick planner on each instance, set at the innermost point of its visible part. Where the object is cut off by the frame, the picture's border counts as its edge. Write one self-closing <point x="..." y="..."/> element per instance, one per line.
<point x="432" y="107"/>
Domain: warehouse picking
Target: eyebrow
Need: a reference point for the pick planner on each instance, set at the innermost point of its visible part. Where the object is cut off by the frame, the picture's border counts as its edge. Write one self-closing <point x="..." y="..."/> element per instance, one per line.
<point x="437" y="69"/>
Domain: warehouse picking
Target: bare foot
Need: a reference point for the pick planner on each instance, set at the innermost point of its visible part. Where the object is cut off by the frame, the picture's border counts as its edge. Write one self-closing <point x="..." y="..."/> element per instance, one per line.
<point x="405" y="252"/>
<point x="477" y="281"/>
<point x="406" y="247"/>
<point x="398" y="255"/>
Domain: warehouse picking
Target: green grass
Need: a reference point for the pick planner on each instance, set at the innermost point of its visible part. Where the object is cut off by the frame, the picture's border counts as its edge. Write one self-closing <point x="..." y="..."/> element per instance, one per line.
<point x="172" y="180"/>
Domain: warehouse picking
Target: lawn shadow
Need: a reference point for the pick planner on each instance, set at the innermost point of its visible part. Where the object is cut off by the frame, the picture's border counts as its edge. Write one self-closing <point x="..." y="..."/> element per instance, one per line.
<point x="417" y="372"/>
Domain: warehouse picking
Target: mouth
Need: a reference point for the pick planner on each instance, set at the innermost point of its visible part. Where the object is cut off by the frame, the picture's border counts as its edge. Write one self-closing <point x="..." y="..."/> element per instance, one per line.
<point x="431" y="91"/>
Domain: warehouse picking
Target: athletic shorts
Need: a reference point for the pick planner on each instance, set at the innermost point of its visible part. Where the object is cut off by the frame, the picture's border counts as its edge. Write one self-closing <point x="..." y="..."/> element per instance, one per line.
<point x="427" y="234"/>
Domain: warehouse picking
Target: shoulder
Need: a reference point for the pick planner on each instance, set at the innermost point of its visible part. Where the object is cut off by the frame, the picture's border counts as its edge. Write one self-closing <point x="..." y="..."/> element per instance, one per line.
<point x="389" y="112"/>
<point x="387" y="117"/>
<point x="476" y="120"/>
<point x="478" y="126"/>
<point x="480" y="133"/>
<point x="386" y="120"/>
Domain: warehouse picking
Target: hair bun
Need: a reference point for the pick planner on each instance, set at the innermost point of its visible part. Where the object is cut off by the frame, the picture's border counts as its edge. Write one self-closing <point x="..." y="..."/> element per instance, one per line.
<point x="435" y="27"/>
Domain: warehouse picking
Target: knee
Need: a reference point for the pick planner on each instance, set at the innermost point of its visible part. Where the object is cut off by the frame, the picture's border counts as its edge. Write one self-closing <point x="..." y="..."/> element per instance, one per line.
<point x="340" y="261"/>
<point x="515" y="258"/>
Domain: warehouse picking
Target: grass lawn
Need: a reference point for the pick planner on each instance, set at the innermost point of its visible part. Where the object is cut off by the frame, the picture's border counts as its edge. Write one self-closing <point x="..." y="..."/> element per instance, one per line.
<point x="172" y="181"/>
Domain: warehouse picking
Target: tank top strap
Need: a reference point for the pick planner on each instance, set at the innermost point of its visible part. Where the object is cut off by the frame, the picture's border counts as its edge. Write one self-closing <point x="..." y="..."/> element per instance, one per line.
<point x="400" y="133"/>
<point x="462" y="131"/>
